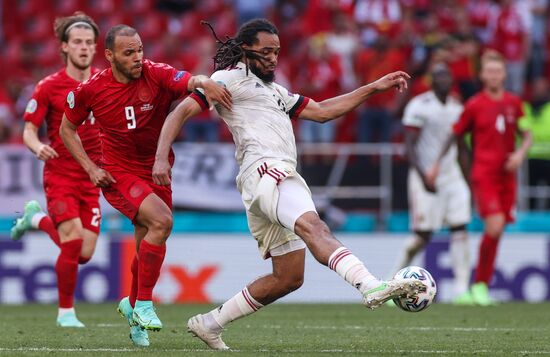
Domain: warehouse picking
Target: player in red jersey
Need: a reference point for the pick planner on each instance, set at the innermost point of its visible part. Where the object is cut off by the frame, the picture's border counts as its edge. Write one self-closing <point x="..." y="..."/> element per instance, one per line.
<point x="492" y="117"/>
<point x="130" y="101"/>
<point x="73" y="201"/>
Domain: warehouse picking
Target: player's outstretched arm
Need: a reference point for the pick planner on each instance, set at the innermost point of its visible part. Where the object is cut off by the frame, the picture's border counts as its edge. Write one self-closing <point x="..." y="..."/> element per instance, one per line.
<point x="170" y="130"/>
<point x="98" y="176"/>
<point x="32" y="141"/>
<point x="516" y="158"/>
<point x="335" y="107"/>
<point x="214" y="92"/>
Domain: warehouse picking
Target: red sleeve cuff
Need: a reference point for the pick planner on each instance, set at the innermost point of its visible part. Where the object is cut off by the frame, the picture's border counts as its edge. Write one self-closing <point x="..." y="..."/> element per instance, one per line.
<point x="300" y="105"/>
<point x="412" y="128"/>
<point x="200" y="99"/>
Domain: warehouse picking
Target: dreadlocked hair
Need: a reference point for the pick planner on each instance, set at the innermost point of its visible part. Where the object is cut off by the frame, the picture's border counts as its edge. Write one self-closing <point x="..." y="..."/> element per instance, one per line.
<point x="230" y="51"/>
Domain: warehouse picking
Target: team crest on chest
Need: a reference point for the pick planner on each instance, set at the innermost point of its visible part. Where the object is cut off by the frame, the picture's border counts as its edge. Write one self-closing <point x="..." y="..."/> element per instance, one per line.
<point x="144" y="94"/>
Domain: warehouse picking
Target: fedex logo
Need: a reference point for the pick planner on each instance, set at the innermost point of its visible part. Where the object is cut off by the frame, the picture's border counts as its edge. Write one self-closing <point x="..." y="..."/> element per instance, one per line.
<point x="106" y="281"/>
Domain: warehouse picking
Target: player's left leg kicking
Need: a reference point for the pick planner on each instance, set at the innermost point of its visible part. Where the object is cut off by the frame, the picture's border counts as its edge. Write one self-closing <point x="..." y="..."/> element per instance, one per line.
<point x="296" y="212"/>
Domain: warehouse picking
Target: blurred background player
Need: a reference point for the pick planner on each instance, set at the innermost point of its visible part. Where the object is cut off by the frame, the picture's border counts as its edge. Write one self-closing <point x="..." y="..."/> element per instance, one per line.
<point x="130" y="101"/>
<point x="73" y="201"/>
<point x="492" y="117"/>
<point x="428" y="120"/>
<point x="279" y="207"/>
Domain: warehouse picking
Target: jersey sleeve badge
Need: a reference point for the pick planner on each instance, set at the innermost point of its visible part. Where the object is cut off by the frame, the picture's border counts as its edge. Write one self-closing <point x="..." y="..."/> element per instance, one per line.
<point x="31" y="106"/>
<point x="70" y="99"/>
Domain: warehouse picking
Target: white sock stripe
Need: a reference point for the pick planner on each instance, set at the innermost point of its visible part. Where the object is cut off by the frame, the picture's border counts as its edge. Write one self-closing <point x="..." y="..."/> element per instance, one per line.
<point x="35" y="220"/>
<point x="254" y="301"/>
<point x="333" y="255"/>
<point x="249" y="300"/>
<point x="336" y="256"/>
<point x="339" y="259"/>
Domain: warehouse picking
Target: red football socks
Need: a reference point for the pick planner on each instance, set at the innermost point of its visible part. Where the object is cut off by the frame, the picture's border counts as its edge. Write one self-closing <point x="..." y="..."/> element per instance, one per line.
<point x="46" y="225"/>
<point x="487" y="256"/>
<point x="149" y="264"/>
<point x="67" y="271"/>
<point x="134" y="288"/>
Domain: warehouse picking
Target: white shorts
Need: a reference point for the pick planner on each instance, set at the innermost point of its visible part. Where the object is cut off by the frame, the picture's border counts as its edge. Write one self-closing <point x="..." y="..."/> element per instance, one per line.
<point x="449" y="206"/>
<point x="275" y="196"/>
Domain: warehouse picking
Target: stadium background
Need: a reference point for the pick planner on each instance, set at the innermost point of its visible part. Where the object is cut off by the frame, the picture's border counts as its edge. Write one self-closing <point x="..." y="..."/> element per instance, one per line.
<point x="357" y="173"/>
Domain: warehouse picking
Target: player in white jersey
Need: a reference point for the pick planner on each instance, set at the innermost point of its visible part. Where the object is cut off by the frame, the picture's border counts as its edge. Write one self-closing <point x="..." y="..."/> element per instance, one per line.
<point x="280" y="210"/>
<point x="428" y="121"/>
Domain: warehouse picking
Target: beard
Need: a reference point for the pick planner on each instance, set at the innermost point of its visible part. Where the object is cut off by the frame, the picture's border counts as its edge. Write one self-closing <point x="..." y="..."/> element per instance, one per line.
<point x="266" y="77"/>
<point x="80" y="66"/>
<point x="125" y="71"/>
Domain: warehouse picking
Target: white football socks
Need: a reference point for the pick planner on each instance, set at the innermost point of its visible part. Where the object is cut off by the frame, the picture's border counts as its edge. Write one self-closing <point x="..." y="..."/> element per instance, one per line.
<point x="460" y="259"/>
<point x="63" y="310"/>
<point x="240" y="305"/>
<point x="349" y="267"/>
<point x="36" y="218"/>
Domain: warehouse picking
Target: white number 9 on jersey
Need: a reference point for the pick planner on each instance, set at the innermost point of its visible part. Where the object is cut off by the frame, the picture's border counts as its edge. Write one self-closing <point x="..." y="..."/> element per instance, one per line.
<point x="130" y="116"/>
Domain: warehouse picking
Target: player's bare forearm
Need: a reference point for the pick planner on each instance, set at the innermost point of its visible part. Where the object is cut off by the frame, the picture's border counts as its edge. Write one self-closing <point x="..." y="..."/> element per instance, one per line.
<point x="335" y="107"/>
<point x="526" y="141"/>
<point x="464" y="157"/>
<point x="32" y="141"/>
<point x="161" y="173"/>
<point x="30" y="137"/>
<point x="173" y="124"/>
<point x="446" y="146"/>
<point x="72" y="142"/>
<point x="411" y="137"/>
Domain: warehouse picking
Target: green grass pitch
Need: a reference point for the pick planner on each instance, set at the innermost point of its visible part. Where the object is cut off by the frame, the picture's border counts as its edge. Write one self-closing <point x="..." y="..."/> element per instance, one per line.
<point x="513" y="329"/>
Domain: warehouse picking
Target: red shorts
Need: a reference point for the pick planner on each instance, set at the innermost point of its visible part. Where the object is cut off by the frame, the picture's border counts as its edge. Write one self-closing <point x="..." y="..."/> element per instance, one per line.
<point x="495" y="195"/>
<point x="129" y="191"/>
<point x="70" y="198"/>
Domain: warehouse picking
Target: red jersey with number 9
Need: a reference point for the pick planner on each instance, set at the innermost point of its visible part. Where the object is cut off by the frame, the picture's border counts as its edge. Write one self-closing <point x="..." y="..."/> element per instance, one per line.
<point x="494" y="125"/>
<point x="130" y="115"/>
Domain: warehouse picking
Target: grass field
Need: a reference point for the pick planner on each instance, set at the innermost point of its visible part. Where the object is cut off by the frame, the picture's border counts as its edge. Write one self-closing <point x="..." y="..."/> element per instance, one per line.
<point x="284" y="329"/>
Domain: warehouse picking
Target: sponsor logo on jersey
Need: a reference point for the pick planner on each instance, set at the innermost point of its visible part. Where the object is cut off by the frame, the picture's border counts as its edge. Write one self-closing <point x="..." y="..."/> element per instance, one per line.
<point x="31" y="106"/>
<point x="70" y="99"/>
<point x="179" y="75"/>
<point x="146" y="107"/>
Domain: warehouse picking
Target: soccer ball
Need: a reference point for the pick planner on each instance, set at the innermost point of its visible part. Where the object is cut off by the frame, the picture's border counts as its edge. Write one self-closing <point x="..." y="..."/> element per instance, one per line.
<point x="423" y="299"/>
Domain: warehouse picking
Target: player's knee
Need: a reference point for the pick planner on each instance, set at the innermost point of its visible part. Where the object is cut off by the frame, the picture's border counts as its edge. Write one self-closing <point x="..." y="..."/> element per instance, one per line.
<point x="311" y="227"/>
<point x="292" y="283"/>
<point x="494" y="230"/>
<point x="162" y="224"/>
<point x="83" y="260"/>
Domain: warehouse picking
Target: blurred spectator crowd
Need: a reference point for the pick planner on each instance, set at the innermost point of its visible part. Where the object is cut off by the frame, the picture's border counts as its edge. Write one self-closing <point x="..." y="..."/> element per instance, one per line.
<point x="328" y="47"/>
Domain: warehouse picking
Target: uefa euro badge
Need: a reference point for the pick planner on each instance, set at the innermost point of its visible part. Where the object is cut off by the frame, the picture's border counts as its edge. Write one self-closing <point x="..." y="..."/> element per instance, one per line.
<point x="31" y="106"/>
<point x="70" y="99"/>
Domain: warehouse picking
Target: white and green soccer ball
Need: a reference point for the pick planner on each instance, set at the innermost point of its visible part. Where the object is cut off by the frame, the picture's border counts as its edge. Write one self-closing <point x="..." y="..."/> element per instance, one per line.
<point x="424" y="299"/>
